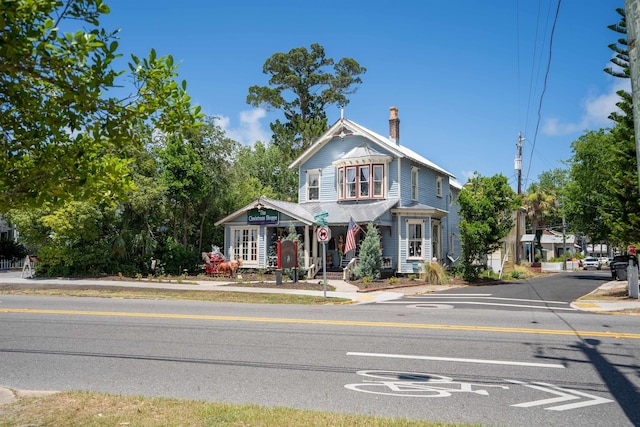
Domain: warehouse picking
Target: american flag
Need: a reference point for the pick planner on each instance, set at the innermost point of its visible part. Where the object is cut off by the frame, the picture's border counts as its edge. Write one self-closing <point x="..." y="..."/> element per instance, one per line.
<point x="352" y="232"/>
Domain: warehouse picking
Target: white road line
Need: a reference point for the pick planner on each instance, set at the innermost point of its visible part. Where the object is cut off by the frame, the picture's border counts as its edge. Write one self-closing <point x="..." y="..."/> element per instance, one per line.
<point x="449" y="295"/>
<point x="457" y="359"/>
<point x="484" y="297"/>
<point x="482" y="303"/>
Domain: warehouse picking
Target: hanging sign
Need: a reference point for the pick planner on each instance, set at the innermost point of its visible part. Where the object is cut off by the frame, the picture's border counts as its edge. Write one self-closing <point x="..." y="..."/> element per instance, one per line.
<point x="262" y="216"/>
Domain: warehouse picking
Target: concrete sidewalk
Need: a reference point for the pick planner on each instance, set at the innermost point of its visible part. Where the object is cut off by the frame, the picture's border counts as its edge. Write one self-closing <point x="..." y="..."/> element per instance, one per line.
<point x="342" y="289"/>
<point x="609" y="305"/>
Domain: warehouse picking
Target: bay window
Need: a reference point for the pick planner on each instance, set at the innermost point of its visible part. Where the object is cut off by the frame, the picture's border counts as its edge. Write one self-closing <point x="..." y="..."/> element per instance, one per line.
<point x="361" y="182"/>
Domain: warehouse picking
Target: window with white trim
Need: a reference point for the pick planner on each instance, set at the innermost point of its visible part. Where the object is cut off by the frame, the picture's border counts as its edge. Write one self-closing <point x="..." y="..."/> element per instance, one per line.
<point x="414" y="239"/>
<point x="378" y="180"/>
<point x="414" y="183"/>
<point x="439" y="186"/>
<point x="435" y="241"/>
<point x="313" y="185"/>
<point x="245" y="244"/>
<point x="341" y="183"/>
<point x="351" y="182"/>
<point x="364" y="181"/>
<point x="452" y="243"/>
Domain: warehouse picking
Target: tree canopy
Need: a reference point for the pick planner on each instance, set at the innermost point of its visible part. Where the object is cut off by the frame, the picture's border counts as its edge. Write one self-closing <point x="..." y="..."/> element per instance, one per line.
<point x="487" y="205"/>
<point x="303" y="83"/>
<point x="603" y="195"/>
<point x="62" y="128"/>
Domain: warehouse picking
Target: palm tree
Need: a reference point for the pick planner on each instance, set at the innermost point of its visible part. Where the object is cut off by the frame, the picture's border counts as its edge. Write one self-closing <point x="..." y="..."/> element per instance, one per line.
<point x="537" y="202"/>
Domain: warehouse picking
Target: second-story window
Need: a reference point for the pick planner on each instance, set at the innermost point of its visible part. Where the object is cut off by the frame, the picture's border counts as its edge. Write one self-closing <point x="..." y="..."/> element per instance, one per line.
<point x="439" y="186"/>
<point x="378" y="176"/>
<point x="351" y="183"/>
<point x="313" y="185"/>
<point x="361" y="182"/>
<point x="414" y="184"/>
<point x="364" y="181"/>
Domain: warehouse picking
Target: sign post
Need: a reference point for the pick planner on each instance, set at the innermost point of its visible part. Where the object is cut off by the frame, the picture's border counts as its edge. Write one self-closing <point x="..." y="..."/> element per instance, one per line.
<point x="324" y="235"/>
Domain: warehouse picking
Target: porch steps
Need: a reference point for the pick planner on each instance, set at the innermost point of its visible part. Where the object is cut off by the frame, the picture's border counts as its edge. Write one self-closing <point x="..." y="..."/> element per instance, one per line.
<point x="333" y="275"/>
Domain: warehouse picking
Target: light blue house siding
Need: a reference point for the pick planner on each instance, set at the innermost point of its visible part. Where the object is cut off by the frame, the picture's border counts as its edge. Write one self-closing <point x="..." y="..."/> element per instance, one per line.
<point x="348" y="147"/>
<point x="322" y="161"/>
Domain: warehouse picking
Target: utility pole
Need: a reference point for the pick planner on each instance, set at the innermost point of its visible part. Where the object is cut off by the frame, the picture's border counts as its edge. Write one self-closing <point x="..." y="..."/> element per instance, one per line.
<point x="518" y="167"/>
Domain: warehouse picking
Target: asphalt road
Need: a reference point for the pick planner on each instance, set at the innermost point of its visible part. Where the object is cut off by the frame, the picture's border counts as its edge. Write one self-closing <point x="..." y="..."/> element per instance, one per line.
<point x="554" y="293"/>
<point x="518" y="367"/>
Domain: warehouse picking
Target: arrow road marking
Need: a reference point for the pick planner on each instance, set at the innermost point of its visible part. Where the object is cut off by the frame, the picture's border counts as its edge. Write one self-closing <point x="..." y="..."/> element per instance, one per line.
<point x="563" y="395"/>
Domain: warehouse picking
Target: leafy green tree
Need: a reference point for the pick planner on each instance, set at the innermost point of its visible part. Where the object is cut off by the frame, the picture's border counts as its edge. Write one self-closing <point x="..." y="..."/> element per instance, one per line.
<point x="370" y="256"/>
<point x="182" y="175"/>
<point x="587" y="202"/>
<point x="61" y="126"/>
<point x="269" y="174"/>
<point x="73" y="240"/>
<point x="216" y="152"/>
<point x="487" y="205"/>
<point x="605" y="203"/>
<point x="303" y="83"/>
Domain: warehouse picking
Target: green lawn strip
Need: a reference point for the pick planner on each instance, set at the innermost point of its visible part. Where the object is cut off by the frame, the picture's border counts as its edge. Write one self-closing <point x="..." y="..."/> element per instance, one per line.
<point x="168" y="294"/>
<point x="80" y="409"/>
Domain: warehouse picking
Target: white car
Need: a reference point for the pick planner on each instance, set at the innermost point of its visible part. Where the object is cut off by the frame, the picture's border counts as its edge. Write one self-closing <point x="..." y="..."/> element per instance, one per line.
<point x="591" y="262"/>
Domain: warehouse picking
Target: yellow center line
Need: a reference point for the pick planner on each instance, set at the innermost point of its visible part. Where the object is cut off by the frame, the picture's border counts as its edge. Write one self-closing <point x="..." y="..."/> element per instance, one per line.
<point x="607" y="334"/>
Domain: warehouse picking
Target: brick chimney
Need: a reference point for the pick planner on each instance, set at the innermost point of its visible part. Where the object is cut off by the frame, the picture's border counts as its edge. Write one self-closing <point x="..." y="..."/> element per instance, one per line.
<point x="394" y="125"/>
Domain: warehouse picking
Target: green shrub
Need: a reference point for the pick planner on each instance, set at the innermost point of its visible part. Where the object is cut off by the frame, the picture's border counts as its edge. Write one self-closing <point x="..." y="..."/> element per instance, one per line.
<point x="367" y="281"/>
<point x="392" y="280"/>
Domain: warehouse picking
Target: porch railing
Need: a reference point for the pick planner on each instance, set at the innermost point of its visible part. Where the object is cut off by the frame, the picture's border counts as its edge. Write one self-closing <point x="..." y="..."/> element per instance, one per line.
<point x="6" y="264"/>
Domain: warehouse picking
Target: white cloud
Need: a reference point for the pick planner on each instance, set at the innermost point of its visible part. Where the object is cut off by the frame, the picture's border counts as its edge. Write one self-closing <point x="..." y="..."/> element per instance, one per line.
<point x="250" y="128"/>
<point x="596" y="110"/>
<point x="467" y="175"/>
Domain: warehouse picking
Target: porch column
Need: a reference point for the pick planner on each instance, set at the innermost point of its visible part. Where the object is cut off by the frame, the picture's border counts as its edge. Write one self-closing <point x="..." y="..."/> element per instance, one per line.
<point x="306" y="247"/>
<point x="314" y="249"/>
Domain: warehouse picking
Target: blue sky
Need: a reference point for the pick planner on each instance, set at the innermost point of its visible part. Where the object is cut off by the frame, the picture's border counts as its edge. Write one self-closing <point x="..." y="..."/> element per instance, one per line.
<point x="466" y="76"/>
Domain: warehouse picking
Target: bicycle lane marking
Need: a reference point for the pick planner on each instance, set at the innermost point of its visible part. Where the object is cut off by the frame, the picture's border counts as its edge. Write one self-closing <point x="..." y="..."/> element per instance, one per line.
<point x="420" y="385"/>
<point x="424" y="385"/>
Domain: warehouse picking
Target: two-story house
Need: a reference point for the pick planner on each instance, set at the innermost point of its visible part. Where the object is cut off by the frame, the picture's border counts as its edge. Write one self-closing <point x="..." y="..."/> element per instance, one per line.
<point x="351" y="172"/>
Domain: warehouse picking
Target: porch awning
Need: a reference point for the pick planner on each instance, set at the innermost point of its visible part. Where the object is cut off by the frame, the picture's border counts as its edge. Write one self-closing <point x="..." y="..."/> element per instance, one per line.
<point x="361" y="212"/>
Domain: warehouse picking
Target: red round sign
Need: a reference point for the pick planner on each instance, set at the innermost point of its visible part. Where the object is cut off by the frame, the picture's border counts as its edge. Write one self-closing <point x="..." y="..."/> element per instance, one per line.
<point x="631" y="249"/>
<point x="323" y="234"/>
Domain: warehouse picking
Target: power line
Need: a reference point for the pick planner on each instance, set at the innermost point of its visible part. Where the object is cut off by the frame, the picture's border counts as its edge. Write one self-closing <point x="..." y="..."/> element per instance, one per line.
<point x="544" y="88"/>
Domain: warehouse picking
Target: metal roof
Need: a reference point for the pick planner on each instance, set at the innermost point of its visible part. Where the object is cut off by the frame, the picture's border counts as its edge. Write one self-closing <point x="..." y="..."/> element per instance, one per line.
<point x="361" y="212"/>
<point x="356" y="129"/>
